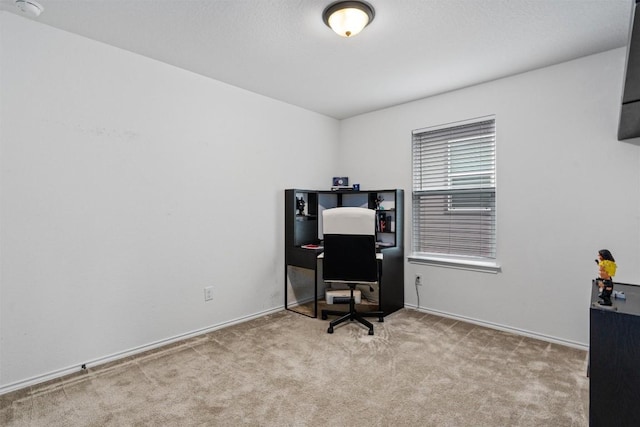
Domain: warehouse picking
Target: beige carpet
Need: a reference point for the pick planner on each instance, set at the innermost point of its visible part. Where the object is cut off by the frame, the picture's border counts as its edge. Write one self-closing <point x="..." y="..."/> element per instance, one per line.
<point x="285" y="370"/>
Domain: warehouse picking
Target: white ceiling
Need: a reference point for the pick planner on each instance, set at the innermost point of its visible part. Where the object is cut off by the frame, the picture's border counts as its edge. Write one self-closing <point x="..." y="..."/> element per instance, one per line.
<point x="412" y="49"/>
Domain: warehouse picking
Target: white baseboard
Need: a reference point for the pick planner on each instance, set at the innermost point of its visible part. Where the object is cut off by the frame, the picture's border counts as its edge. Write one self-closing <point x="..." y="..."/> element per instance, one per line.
<point x="517" y="331"/>
<point x="130" y="352"/>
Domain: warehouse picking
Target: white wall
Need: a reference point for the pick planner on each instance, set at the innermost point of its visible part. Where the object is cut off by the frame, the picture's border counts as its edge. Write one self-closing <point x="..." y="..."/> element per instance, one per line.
<point x="566" y="188"/>
<point x="127" y="186"/>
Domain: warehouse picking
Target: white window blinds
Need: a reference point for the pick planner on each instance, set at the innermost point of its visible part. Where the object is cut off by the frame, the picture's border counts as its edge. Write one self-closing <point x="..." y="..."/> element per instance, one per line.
<point x="454" y="189"/>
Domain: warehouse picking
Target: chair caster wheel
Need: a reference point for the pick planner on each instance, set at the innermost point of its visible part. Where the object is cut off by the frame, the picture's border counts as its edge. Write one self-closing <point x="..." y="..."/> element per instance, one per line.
<point x="380" y="319"/>
<point x="370" y="331"/>
<point x="330" y="330"/>
<point x="324" y="317"/>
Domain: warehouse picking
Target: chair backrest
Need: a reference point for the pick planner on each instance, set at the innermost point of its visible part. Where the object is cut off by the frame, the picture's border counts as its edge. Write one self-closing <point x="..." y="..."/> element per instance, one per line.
<point x="349" y="245"/>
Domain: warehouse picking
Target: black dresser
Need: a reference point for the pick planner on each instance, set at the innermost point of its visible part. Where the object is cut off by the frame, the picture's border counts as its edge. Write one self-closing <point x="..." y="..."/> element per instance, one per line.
<point x="614" y="359"/>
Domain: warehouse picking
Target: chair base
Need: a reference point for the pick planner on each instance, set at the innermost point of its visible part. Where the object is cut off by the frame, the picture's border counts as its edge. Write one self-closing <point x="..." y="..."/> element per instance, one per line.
<point x="352" y="315"/>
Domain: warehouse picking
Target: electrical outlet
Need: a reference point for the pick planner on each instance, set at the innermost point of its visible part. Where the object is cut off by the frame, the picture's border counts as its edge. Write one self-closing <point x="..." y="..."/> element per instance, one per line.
<point x="208" y="293"/>
<point x="418" y="280"/>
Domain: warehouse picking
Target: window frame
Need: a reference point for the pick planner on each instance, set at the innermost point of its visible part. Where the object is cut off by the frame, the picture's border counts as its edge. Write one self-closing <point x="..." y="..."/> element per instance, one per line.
<point x="434" y="177"/>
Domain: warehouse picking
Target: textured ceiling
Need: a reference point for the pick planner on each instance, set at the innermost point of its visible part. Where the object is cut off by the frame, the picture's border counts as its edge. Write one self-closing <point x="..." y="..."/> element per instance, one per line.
<point x="412" y="49"/>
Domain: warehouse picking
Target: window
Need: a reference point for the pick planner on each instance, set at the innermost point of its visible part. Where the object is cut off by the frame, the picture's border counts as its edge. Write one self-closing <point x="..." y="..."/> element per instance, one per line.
<point x="454" y="190"/>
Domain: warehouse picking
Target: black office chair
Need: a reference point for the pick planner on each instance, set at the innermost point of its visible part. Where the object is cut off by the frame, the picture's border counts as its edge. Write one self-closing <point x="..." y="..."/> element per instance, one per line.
<point x="350" y="257"/>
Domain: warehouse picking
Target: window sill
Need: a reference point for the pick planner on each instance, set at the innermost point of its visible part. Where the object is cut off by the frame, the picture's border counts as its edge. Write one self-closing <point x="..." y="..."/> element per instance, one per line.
<point x="463" y="264"/>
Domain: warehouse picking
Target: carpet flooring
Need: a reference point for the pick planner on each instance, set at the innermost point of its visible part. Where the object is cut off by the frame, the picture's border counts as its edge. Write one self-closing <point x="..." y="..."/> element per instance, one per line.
<point x="285" y="370"/>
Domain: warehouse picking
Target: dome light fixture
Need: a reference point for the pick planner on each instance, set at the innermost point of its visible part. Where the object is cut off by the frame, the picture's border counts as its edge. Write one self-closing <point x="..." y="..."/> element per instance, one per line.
<point x="348" y="18"/>
<point x="29" y="7"/>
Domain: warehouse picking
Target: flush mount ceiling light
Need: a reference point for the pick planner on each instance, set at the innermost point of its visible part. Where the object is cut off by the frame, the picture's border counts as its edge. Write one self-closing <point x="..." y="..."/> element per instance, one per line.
<point x="29" y="7"/>
<point x="348" y="18"/>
